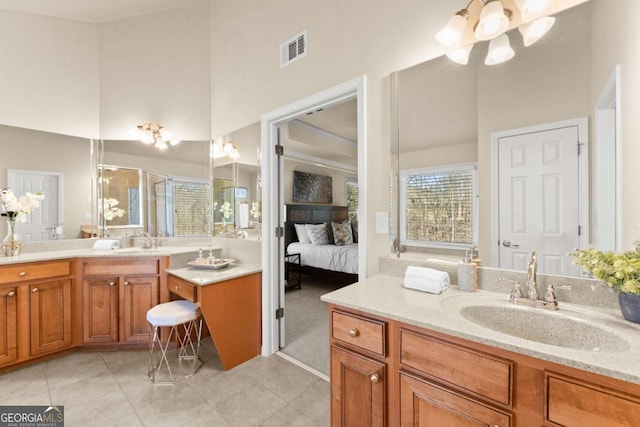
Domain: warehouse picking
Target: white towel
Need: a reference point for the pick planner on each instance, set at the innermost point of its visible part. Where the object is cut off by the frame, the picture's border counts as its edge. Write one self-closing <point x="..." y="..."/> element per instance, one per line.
<point x="106" y="244"/>
<point x="426" y="279"/>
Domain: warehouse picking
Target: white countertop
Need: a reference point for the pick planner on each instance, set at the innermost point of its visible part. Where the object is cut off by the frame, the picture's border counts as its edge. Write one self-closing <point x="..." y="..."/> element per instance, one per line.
<point x="86" y="253"/>
<point x="202" y="277"/>
<point x="385" y="296"/>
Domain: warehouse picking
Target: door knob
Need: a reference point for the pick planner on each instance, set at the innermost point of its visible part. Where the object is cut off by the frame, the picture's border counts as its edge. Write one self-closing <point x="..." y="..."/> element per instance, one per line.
<point x="375" y="378"/>
<point x="10" y="294"/>
<point x="508" y="244"/>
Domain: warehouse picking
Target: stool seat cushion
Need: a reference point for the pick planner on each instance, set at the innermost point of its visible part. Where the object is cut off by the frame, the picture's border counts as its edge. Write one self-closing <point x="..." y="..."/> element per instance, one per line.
<point x="173" y="313"/>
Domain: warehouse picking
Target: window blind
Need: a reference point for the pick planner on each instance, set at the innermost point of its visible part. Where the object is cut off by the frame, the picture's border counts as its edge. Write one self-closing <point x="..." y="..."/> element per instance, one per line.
<point x="191" y="208"/>
<point x="440" y="206"/>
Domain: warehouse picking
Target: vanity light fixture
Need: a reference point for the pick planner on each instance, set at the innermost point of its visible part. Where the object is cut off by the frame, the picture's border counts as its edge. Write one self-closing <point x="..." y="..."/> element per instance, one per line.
<point x="489" y="20"/>
<point x="499" y="50"/>
<point x="159" y="136"/>
<point x="226" y="149"/>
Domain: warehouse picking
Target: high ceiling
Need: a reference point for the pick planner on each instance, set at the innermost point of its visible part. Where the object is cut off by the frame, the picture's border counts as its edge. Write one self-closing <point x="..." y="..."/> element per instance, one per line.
<point x="96" y="11"/>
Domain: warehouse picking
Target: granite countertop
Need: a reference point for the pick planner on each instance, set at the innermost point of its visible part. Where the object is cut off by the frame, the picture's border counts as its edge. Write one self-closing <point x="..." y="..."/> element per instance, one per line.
<point x="88" y="252"/>
<point x="202" y="276"/>
<point x="385" y="296"/>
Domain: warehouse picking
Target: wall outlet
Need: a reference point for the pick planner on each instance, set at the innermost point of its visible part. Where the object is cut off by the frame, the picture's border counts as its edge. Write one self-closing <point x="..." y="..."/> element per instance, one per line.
<point x="382" y="222"/>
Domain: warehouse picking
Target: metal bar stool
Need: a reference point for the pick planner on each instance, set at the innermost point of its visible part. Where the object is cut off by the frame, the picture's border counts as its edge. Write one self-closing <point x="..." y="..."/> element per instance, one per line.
<point x="174" y="314"/>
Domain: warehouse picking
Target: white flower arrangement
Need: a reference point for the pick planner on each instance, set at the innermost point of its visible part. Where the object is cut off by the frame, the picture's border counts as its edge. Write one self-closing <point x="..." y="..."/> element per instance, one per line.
<point x="226" y="210"/>
<point x="256" y="210"/>
<point x="17" y="208"/>
<point x="111" y="209"/>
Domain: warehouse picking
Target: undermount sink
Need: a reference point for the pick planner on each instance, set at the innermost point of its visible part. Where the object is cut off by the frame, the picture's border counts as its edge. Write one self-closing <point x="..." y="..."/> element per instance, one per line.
<point x="556" y="328"/>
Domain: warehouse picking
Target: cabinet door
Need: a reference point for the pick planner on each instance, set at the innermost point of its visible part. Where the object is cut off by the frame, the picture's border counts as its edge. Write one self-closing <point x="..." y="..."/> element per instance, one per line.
<point x="424" y="404"/>
<point x="8" y="326"/>
<point x="357" y="390"/>
<point x="100" y="310"/>
<point x="50" y="316"/>
<point x="139" y="295"/>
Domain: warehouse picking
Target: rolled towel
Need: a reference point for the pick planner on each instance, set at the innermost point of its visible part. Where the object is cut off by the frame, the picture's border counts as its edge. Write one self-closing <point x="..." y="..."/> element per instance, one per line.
<point x="106" y="244"/>
<point x="426" y="279"/>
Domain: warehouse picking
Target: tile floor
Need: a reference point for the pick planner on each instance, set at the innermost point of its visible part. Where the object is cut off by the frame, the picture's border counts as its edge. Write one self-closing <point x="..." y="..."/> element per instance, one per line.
<point x="112" y="389"/>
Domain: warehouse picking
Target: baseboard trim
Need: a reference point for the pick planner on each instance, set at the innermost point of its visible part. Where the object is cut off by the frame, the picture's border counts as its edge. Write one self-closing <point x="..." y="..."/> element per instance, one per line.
<point x="303" y="366"/>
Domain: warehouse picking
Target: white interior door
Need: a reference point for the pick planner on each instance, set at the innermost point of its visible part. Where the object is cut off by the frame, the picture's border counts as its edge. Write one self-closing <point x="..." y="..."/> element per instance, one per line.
<point x="539" y="199"/>
<point x="42" y="223"/>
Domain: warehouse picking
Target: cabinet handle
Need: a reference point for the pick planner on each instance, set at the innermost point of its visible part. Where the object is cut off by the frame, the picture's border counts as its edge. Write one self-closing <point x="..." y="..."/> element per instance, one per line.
<point x="126" y="283"/>
<point x="10" y="294"/>
<point x="35" y="290"/>
<point x="353" y="333"/>
<point x="177" y="287"/>
<point x="112" y="283"/>
<point x="22" y="273"/>
<point x="375" y="378"/>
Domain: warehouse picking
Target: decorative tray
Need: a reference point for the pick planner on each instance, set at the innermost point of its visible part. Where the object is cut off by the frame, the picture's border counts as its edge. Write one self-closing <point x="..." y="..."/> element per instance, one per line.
<point x="218" y="265"/>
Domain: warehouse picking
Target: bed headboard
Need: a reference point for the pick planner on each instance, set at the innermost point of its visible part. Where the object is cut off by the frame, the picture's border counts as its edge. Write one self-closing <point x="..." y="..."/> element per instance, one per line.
<point x="311" y="214"/>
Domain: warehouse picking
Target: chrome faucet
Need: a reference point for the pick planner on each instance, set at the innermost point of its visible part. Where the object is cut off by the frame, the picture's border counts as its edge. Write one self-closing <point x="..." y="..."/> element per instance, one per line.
<point x="549" y="300"/>
<point x="146" y="241"/>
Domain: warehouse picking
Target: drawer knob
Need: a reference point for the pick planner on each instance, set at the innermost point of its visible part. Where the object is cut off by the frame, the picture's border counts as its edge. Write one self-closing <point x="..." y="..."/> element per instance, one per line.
<point x="112" y="283"/>
<point x="10" y="294"/>
<point x="375" y="378"/>
<point x="35" y="290"/>
<point x="22" y="273"/>
<point x="177" y="287"/>
<point x="353" y="333"/>
<point x="126" y="283"/>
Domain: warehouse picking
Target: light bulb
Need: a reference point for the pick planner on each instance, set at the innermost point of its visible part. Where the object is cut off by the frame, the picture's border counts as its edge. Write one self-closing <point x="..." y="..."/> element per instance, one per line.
<point x="494" y="21"/>
<point x="531" y="9"/>
<point x="499" y="51"/>
<point x="535" y="30"/>
<point x="451" y="34"/>
<point x="460" y="55"/>
<point x="161" y="145"/>
<point x="147" y="137"/>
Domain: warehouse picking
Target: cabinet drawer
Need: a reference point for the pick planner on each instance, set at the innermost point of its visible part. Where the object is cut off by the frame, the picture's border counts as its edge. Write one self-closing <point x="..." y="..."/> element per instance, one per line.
<point x="483" y="375"/>
<point x="367" y="334"/>
<point x="184" y="289"/>
<point x="34" y="271"/>
<point x="572" y="402"/>
<point x="101" y="268"/>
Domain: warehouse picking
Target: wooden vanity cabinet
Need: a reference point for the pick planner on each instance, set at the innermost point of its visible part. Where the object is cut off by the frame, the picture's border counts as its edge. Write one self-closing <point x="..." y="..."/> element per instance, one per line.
<point x="36" y="310"/>
<point x="358" y="370"/>
<point x="433" y="379"/>
<point x="117" y="295"/>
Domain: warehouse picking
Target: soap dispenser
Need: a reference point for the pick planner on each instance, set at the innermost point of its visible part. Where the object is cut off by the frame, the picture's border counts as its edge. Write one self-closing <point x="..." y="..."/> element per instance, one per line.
<point x="467" y="274"/>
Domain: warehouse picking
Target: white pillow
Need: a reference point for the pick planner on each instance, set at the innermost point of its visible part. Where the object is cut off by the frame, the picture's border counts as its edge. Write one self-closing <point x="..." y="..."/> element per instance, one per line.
<point x="301" y="231"/>
<point x="318" y="234"/>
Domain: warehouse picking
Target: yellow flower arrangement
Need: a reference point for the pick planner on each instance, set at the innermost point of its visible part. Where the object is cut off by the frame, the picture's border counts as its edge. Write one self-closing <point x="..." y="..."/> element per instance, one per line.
<point x="621" y="271"/>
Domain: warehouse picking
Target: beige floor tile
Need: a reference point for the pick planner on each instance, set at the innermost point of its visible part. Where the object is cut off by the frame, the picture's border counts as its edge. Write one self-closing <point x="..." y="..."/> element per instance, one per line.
<point x="73" y="368"/>
<point x="261" y="367"/>
<point x="289" y="383"/>
<point x="315" y="403"/>
<point x="221" y="386"/>
<point x="250" y="407"/>
<point x="289" y="416"/>
<point x="25" y="386"/>
<point x="108" y="409"/>
<point x="208" y="419"/>
<point x="175" y="410"/>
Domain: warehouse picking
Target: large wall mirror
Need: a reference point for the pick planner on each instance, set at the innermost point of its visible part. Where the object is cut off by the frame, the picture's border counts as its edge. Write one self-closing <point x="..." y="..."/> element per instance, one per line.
<point x="60" y="166"/>
<point x="464" y="130"/>
<point x="159" y="192"/>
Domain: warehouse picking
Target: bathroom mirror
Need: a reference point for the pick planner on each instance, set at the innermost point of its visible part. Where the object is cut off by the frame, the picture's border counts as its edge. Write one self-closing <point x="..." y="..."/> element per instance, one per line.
<point x="172" y="196"/>
<point x="60" y="165"/>
<point x="446" y="114"/>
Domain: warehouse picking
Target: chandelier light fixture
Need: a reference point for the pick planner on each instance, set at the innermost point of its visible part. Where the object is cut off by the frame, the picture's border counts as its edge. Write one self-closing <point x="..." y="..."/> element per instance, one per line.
<point x="489" y="20"/>
<point x="153" y="133"/>
<point x="224" y="149"/>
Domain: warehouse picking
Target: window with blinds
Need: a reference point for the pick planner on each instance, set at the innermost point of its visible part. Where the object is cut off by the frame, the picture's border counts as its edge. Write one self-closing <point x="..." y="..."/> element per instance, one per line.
<point x="351" y="187"/>
<point x="191" y="208"/>
<point x="439" y="206"/>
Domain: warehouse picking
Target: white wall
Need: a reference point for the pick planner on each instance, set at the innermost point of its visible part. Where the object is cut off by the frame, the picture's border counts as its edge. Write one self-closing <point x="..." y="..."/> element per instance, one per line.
<point x="49" y="74"/>
<point x="156" y="68"/>
<point x="616" y="40"/>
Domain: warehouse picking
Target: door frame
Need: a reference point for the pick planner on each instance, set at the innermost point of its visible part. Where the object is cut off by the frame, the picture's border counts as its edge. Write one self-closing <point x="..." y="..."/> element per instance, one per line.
<point x="272" y="247"/>
<point x="582" y="123"/>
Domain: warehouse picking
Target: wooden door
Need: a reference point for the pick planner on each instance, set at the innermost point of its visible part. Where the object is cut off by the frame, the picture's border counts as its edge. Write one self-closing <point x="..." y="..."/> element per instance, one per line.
<point x="539" y="199"/>
<point x="139" y="295"/>
<point x="424" y="404"/>
<point x="100" y="310"/>
<point x="50" y="316"/>
<point x="8" y="326"/>
<point x="357" y="390"/>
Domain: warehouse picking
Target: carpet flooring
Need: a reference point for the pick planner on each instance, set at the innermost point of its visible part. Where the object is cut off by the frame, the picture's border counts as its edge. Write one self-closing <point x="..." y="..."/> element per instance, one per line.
<point x="307" y="323"/>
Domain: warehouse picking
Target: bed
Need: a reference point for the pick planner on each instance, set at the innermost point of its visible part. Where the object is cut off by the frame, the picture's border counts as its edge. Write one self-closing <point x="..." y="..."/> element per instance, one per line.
<point x="336" y="263"/>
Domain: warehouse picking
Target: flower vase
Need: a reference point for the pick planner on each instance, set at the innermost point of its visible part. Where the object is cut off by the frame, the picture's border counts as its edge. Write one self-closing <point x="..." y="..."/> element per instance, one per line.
<point x="630" y="306"/>
<point x="11" y="245"/>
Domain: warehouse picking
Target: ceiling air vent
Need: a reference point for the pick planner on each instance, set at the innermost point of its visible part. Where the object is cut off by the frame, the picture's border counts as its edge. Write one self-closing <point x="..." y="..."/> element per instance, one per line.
<point x="293" y="49"/>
